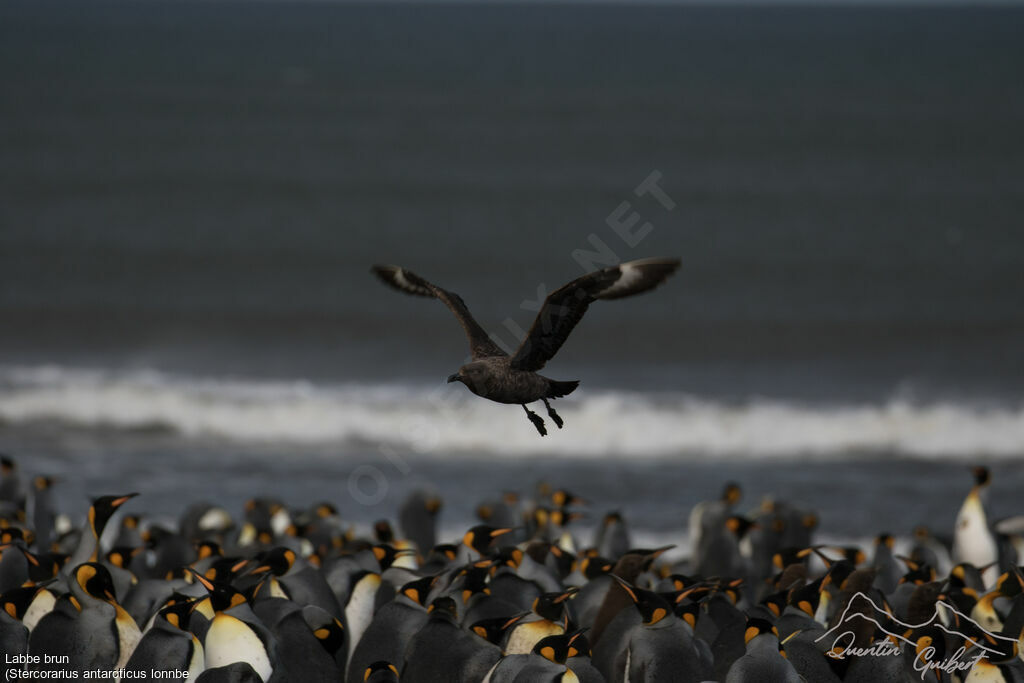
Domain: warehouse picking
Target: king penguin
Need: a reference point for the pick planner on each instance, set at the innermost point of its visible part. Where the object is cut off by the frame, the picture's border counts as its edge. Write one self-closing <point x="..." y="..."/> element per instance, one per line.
<point x="168" y="645"/>
<point x="391" y="629"/>
<point x="99" y="635"/>
<point x="973" y="541"/>
<point x="764" y="661"/>
<point x="443" y="652"/>
<point x="100" y="512"/>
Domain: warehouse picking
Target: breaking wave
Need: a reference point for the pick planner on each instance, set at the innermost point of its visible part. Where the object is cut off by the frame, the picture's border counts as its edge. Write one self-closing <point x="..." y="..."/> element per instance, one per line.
<point x="446" y="419"/>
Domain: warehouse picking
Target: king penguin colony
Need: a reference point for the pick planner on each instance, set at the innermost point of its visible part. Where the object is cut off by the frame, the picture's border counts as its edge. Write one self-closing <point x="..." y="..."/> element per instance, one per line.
<point x="279" y="594"/>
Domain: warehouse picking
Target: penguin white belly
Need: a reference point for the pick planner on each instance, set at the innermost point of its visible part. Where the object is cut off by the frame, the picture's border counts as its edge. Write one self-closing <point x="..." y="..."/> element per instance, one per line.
<point x="973" y="541"/>
<point x="197" y="664"/>
<point x="359" y="610"/>
<point x="128" y="636"/>
<point x="40" y="606"/>
<point x="526" y="635"/>
<point x="230" y="640"/>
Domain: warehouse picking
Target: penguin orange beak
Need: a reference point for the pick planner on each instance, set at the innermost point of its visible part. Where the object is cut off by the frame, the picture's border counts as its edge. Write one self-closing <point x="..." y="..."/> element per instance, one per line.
<point x="453" y="378"/>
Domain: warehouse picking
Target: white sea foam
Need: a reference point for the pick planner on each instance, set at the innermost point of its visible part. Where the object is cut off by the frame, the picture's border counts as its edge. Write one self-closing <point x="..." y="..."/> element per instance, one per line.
<point x="446" y="419"/>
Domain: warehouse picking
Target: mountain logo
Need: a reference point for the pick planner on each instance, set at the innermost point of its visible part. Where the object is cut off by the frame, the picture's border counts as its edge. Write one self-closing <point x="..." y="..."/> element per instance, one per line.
<point x="843" y="636"/>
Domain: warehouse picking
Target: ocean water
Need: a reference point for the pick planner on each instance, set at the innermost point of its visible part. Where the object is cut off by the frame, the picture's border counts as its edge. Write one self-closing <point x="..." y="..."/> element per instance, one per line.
<point x="191" y="195"/>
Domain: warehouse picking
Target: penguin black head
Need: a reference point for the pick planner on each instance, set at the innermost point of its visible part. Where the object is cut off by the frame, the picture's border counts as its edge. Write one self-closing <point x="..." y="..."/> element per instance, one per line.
<point x="443" y="553"/>
<point x="562" y="498"/>
<point x="775" y="602"/>
<point x="383" y="532"/>
<point x="46" y="566"/>
<point x="806" y="598"/>
<point x="885" y="540"/>
<point x="387" y="554"/>
<point x="103" y="508"/>
<point x="929" y="645"/>
<point x="557" y="648"/>
<point x="1011" y="583"/>
<point x="652" y="607"/>
<point x="484" y="512"/>
<point x="918" y="573"/>
<point x="561" y="517"/>
<point x="330" y="634"/>
<point x="480" y="537"/>
<point x="634" y="562"/>
<point x="579" y="645"/>
<point x="739" y="525"/>
<point x="860" y="580"/>
<point x="178" y="614"/>
<point x="731" y="589"/>
<point x="494" y="630"/>
<point x="690" y="591"/>
<point x="757" y="627"/>
<point x="419" y="590"/>
<point x="790" y="556"/>
<point x="849" y="553"/>
<point x="564" y="560"/>
<point x="259" y="513"/>
<point x="982" y="476"/>
<point x="731" y="493"/>
<point x="613" y="517"/>
<point x="11" y="534"/>
<point x="156" y="534"/>
<point x="793" y="575"/>
<point x="838" y="573"/>
<point x="433" y="505"/>
<point x="7" y="465"/>
<point x="95" y="580"/>
<point x="443" y="608"/>
<point x="121" y="556"/>
<point x="474" y="579"/>
<point x="277" y="561"/>
<point x="222" y="595"/>
<point x="688" y="611"/>
<point x="593" y="567"/>
<point x="506" y="556"/>
<point x="42" y="483"/>
<point x="225" y="569"/>
<point x="380" y="672"/>
<point x="207" y="549"/>
<point x="16" y="601"/>
<point x="552" y="606"/>
<point x="324" y="510"/>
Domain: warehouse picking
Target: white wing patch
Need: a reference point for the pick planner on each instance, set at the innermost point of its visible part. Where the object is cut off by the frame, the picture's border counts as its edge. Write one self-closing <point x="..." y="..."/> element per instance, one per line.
<point x="630" y="275"/>
<point x="398" y="276"/>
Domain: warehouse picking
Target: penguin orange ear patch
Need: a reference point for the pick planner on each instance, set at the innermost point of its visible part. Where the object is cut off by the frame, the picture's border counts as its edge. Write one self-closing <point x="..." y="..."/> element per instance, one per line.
<point x="85" y="573"/>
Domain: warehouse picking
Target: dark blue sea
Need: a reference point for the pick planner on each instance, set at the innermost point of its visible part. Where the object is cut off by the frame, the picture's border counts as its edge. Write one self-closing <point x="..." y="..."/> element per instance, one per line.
<point x="192" y="193"/>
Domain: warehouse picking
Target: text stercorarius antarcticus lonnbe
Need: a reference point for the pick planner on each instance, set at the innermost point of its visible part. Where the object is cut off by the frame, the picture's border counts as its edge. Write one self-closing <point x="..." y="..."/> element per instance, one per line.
<point x="493" y="373"/>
